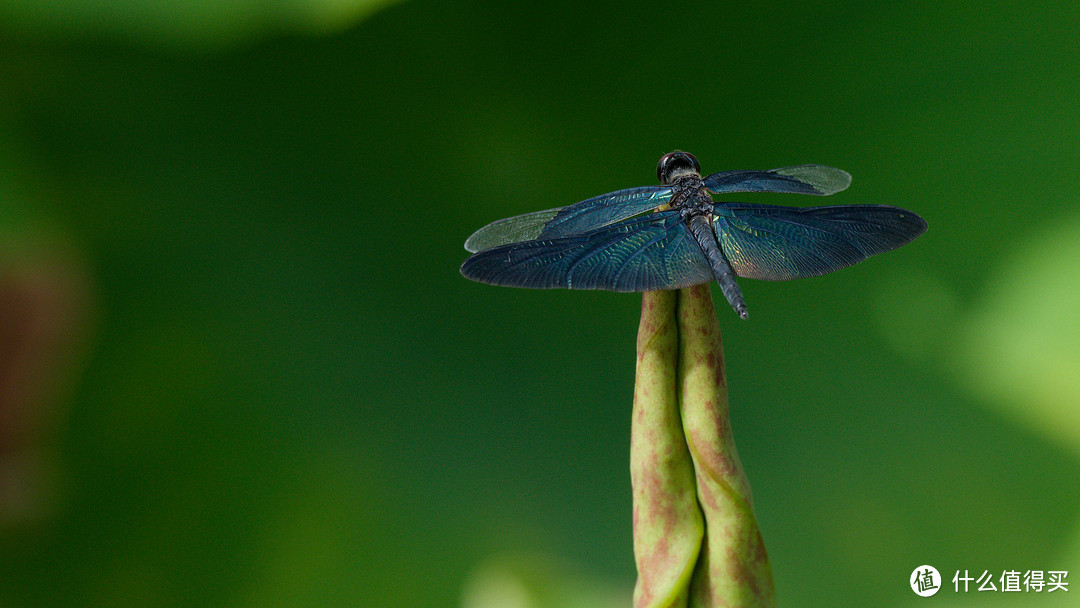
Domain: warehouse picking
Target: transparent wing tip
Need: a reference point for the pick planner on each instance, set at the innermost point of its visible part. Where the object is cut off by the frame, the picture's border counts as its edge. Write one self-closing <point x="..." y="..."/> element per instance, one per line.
<point x="826" y="180"/>
<point x="475" y="242"/>
<point x="510" y="230"/>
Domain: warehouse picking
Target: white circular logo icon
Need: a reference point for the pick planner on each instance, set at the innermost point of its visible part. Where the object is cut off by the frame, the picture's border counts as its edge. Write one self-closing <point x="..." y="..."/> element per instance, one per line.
<point x="925" y="581"/>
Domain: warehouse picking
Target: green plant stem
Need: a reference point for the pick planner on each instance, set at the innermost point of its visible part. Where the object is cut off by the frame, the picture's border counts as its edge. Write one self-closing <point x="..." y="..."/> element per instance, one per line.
<point x="668" y="526"/>
<point x="696" y="540"/>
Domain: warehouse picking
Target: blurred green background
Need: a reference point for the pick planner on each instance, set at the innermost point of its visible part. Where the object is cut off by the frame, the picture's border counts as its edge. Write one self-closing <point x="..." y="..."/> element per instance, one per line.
<point x="238" y="366"/>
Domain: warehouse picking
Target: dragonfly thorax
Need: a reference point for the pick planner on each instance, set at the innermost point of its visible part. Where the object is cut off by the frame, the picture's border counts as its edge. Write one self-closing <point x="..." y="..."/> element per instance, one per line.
<point x="689" y="196"/>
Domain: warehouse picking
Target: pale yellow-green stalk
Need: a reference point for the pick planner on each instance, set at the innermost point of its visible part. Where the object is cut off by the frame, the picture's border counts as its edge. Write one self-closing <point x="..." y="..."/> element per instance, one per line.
<point x="696" y="540"/>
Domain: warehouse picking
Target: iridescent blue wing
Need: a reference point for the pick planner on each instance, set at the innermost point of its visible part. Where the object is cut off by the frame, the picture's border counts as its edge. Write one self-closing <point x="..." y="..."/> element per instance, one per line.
<point x="646" y="253"/>
<point x="778" y="243"/>
<point x="803" y="179"/>
<point x="587" y="215"/>
<point x="605" y="209"/>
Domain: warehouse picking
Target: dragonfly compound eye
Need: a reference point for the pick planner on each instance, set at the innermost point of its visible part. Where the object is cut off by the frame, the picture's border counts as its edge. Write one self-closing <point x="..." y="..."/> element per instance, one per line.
<point x="674" y="164"/>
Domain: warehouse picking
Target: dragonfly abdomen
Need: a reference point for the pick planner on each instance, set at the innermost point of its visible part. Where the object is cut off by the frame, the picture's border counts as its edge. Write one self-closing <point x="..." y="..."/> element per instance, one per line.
<point x="701" y="227"/>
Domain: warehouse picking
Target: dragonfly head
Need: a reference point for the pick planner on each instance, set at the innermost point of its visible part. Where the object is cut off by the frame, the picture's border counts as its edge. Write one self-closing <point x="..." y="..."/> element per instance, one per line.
<point x="675" y="165"/>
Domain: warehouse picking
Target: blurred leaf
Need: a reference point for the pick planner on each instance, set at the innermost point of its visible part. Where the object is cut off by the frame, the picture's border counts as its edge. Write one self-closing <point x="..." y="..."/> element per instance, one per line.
<point x="197" y="24"/>
<point x="536" y="581"/>
<point x="1020" y="347"/>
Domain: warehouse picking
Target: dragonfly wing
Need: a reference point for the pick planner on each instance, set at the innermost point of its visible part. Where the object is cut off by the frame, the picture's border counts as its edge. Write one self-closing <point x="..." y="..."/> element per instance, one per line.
<point x="802" y="179"/>
<point x="779" y="243"/>
<point x="584" y="216"/>
<point x="510" y="230"/>
<point x="640" y="254"/>
<point x="605" y="210"/>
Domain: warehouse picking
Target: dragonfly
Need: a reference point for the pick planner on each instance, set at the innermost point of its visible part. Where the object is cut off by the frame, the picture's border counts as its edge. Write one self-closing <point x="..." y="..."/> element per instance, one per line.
<point x="675" y="235"/>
